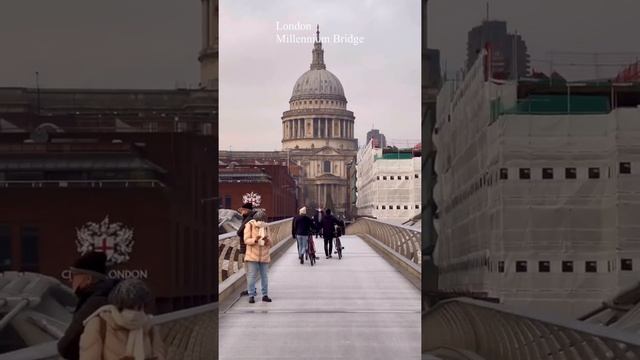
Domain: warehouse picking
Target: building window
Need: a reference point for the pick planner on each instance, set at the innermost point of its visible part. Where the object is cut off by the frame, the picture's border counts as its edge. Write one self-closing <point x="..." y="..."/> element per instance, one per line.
<point x="504" y="174"/>
<point x="525" y="173"/>
<point x="417" y="176"/>
<point x="384" y="178"/>
<point x="377" y="207"/>
<point x="591" y="266"/>
<point x="397" y="207"/>
<point x="500" y="266"/>
<point x="30" y="254"/>
<point x="521" y="266"/>
<point x="327" y="166"/>
<point x="390" y="207"/>
<point x="626" y="264"/>
<point x="406" y="207"/>
<point x="544" y="266"/>
<point x="570" y="173"/>
<point x="378" y="177"/>
<point x="391" y="178"/>
<point x="227" y="202"/>
<point x="547" y="173"/>
<point x="567" y="266"/>
<point x="625" y="168"/>
<point x="384" y="207"/>
<point x="594" y="173"/>
<point x="406" y="178"/>
<point x="5" y="247"/>
<point x="417" y="206"/>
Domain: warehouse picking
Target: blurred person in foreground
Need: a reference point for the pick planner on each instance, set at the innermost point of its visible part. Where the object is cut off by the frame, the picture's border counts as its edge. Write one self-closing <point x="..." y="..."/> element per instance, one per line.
<point x="122" y="330"/>
<point x="92" y="287"/>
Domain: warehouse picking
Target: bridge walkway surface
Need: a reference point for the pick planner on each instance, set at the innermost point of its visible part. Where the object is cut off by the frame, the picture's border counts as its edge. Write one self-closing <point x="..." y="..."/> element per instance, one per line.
<point x="359" y="307"/>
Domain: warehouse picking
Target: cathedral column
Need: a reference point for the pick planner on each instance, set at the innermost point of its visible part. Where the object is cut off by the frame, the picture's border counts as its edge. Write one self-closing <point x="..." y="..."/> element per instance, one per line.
<point x="326" y="127"/>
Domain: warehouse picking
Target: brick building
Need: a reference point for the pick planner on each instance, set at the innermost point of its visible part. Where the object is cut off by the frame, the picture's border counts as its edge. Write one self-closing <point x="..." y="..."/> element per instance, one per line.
<point x="137" y="184"/>
<point x="272" y="184"/>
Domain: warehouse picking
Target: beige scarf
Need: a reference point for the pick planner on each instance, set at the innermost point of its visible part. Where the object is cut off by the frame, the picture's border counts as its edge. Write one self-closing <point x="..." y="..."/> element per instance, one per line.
<point x="134" y="321"/>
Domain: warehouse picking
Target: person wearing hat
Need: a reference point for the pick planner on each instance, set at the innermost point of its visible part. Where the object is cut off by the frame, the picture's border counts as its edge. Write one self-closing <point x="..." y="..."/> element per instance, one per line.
<point x="92" y="287"/>
<point x="301" y="230"/>
<point x="247" y="213"/>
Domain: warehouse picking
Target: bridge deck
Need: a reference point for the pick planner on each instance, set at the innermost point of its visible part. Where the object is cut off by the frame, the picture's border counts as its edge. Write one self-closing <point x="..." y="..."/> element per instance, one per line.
<point x="359" y="307"/>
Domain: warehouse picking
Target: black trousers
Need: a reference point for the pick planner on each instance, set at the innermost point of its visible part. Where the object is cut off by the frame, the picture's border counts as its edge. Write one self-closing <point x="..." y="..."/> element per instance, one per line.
<point x="328" y="245"/>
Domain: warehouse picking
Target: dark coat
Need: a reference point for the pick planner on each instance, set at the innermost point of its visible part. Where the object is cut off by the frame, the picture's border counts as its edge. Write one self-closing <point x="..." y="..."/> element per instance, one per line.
<point x="240" y="232"/>
<point x="328" y="225"/>
<point x="89" y="300"/>
<point x="302" y="225"/>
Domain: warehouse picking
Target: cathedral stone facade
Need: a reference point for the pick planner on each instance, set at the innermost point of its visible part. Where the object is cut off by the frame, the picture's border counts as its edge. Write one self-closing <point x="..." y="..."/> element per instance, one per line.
<point x="318" y="134"/>
<point x="208" y="56"/>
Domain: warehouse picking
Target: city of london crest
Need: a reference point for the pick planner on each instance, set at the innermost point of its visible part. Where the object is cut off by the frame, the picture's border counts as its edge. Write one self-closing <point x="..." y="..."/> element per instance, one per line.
<point x="253" y="198"/>
<point x="114" y="239"/>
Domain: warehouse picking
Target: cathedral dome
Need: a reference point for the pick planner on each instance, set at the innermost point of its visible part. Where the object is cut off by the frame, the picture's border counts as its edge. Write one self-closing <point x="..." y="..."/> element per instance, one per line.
<point x="318" y="83"/>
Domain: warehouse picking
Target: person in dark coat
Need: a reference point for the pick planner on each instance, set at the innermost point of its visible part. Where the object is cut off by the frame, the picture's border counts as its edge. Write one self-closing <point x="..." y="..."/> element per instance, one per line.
<point x="301" y="230"/>
<point x="329" y="223"/>
<point x="247" y="213"/>
<point x="92" y="287"/>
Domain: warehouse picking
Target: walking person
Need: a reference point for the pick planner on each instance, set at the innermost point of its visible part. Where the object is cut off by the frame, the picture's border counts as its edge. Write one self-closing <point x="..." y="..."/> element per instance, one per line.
<point x="328" y="231"/>
<point x="257" y="257"/>
<point x="301" y="230"/>
<point x="122" y="329"/>
<point x="92" y="287"/>
<point x="247" y="213"/>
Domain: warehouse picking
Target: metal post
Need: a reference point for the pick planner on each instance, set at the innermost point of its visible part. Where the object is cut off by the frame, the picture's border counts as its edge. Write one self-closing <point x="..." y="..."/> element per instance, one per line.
<point x="11" y="314"/>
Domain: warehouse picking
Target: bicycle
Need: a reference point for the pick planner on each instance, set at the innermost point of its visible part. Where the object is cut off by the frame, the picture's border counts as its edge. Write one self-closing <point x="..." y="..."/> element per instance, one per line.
<point x="311" y="250"/>
<point x="338" y="246"/>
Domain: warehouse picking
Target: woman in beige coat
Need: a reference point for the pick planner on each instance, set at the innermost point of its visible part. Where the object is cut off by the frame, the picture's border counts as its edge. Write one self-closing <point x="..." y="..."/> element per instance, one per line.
<point x="257" y="256"/>
<point x="122" y="330"/>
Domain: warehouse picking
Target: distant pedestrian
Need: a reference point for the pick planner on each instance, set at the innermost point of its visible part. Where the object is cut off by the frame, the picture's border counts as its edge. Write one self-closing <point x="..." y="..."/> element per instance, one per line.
<point x="301" y="231"/>
<point x="92" y="287"/>
<point x="123" y="329"/>
<point x="329" y="223"/>
<point x="247" y="213"/>
<point x="257" y="257"/>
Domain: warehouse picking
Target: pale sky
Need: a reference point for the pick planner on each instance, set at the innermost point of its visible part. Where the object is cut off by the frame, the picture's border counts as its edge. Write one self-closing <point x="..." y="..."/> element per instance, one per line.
<point x="380" y="77"/>
<point x="546" y="25"/>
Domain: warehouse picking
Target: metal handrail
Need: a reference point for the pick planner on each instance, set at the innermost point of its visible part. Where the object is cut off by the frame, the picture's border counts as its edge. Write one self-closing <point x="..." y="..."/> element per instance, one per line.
<point x="229" y="257"/>
<point x="496" y="331"/>
<point x="187" y="334"/>
<point x="403" y="239"/>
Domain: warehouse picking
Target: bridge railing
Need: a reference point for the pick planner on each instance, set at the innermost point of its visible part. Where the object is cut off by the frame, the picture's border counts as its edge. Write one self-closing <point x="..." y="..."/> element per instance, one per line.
<point x="494" y="331"/>
<point x="400" y="245"/>
<point x="229" y="257"/>
<point x="187" y="334"/>
<point x="404" y="240"/>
